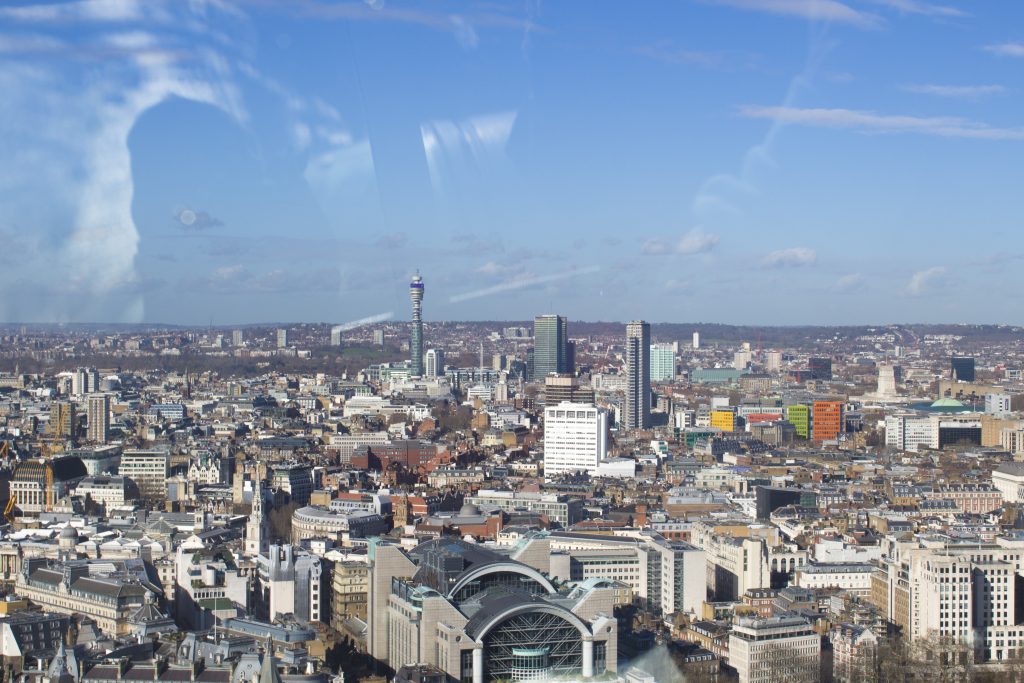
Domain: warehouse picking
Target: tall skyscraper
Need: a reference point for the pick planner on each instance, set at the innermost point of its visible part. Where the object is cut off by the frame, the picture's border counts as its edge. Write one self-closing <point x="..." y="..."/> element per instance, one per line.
<point x="336" y="335"/>
<point x="416" y="344"/>
<point x="433" y="362"/>
<point x="696" y="340"/>
<point x="550" y="346"/>
<point x="98" y="414"/>
<point x="637" y="413"/>
<point x="282" y="338"/>
<point x="237" y="337"/>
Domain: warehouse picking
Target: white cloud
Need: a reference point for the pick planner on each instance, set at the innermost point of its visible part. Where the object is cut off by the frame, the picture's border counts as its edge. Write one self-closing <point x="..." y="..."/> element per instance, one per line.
<point x="922" y="8"/>
<point x="812" y="10"/>
<point x="694" y="242"/>
<point x="790" y="258"/>
<point x="924" y="280"/>
<point x="849" y="283"/>
<point x="867" y="121"/>
<point x="465" y="34"/>
<point x="967" y="92"/>
<point x="1006" y="49"/>
<point x="82" y="10"/>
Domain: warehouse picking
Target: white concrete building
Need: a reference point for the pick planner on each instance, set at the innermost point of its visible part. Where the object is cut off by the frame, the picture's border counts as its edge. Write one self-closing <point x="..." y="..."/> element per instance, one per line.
<point x="775" y="649"/>
<point x="855" y="579"/>
<point x="1009" y="479"/>
<point x="575" y="438"/>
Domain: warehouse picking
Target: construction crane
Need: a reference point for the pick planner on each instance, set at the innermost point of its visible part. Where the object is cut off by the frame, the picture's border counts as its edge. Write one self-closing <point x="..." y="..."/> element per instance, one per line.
<point x="9" y="510"/>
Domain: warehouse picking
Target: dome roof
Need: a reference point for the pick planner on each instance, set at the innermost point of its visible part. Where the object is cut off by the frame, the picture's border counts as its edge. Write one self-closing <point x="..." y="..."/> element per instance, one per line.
<point x="69" y="532"/>
<point x="469" y="510"/>
<point x="947" y="403"/>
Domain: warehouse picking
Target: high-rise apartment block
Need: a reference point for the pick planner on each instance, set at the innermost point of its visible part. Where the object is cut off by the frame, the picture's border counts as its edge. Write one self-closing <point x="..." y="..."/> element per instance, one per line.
<point x="637" y="405"/>
<point x="663" y="363"/>
<point x="336" y="336"/>
<point x="282" y="338"/>
<point x="98" y="414"/>
<point x="237" y="337"/>
<point x="550" y="346"/>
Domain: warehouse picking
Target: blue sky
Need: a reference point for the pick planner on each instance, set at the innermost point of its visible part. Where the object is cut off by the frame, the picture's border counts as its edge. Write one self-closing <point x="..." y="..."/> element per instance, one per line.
<point x="737" y="161"/>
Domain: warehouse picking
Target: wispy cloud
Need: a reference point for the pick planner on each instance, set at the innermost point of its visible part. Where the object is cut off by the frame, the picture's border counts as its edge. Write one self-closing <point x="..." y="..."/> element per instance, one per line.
<point x="709" y="59"/>
<point x="870" y="122"/>
<point x="1006" y="49"/>
<point x="849" y="283"/>
<point x="790" y="258"/>
<point x="922" y="8"/>
<point x="81" y="10"/>
<point x="925" y="280"/>
<point x="967" y="92"/>
<point x="694" y="242"/>
<point x="521" y="283"/>
<point x="812" y="10"/>
<point x="368" y="320"/>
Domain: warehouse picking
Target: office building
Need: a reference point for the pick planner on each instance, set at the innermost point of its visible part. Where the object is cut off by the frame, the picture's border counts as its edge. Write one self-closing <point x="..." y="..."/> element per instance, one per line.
<point x="434" y="363"/>
<point x="961" y="368"/>
<point x="575" y="438"/>
<point x="999" y="404"/>
<point x="783" y="648"/>
<point x="550" y="346"/>
<point x="336" y="339"/>
<point x="39" y="485"/>
<point x="566" y="387"/>
<point x="820" y="368"/>
<point x="828" y="420"/>
<point x="295" y="479"/>
<point x="663" y="363"/>
<point x="282" y="338"/>
<point x="289" y="582"/>
<point x="98" y="414"/>
<point x="637" y="405"/>
<point x="560" y="509"/>
<point x="416" y="340"/>
<point x="148" y="469"/>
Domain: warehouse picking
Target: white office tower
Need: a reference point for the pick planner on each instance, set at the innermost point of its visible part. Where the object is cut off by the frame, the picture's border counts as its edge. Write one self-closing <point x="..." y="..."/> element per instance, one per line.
<point x="1000" y="405"/>
<point x="886" y="380"/>
<point x="773" y="361"/>
<point x="282" y="338"/>
<point x="637" y="413"/>
<point x="433" y="362"/>
<point x="99" y="418"/>
<point x="336" y="335"/>
<point x="696" y="340"/>
<point x="575" y="438"/>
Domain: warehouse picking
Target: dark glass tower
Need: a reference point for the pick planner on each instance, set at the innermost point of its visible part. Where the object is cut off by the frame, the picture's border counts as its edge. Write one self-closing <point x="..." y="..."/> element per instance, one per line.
<point x="550" y="346"/>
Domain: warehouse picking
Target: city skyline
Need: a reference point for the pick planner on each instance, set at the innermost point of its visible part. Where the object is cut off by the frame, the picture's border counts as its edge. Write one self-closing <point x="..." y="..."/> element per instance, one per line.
<point x="611" y="164"/>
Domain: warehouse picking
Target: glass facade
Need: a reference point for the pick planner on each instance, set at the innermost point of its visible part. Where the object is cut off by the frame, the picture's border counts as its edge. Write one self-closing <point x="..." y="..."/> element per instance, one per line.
<point x="512" y="648"/>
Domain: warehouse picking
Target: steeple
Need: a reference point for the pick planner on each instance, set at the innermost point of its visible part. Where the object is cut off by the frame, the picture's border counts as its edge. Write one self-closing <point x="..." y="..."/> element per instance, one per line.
<point x="268" y="669"/>
<point x="256" y="527"/>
